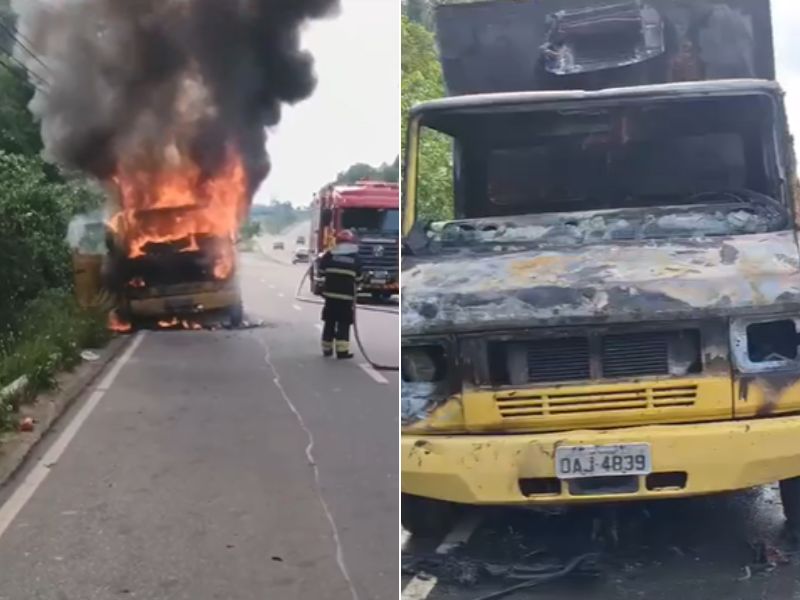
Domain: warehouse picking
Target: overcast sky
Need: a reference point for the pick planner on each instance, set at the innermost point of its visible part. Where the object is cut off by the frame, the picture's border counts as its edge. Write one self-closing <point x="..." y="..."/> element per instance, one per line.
<point x="354" y="114"/>
<point x="786" y="24"/>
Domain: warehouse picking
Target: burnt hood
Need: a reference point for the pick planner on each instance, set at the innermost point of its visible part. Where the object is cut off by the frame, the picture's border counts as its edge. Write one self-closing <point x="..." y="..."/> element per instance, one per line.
<point x="602" y="283"/>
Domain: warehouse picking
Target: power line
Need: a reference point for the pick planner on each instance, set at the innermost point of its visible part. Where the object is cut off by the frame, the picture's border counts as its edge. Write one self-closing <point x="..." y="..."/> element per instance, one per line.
<point x="16" y="35"/>
<point x="19" y="77"/>
<point x="24" y="67"/>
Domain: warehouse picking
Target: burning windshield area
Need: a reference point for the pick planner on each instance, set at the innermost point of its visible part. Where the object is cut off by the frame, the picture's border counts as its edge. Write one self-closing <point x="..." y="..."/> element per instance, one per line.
<point x="178" y="210"/>
<point x="640" y="169"/>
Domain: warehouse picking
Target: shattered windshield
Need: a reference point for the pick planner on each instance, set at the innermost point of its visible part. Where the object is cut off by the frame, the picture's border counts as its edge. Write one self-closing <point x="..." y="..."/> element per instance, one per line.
<point x="742" y="213"/>
<point x="649" y="170"/>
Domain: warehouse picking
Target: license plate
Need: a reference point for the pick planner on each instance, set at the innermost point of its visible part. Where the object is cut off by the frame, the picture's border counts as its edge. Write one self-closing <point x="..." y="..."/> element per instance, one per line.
<point x="379" y="281"/>
<point x="576" y="462"/>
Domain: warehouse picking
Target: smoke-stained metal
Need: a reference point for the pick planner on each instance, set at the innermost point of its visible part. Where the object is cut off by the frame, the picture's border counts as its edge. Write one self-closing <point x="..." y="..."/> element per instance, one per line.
<point x="599" y="38"/>
<point x="528" y="45"/>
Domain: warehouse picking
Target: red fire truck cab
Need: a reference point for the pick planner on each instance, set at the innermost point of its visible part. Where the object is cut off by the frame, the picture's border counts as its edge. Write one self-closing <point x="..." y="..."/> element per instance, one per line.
<point x="370" y="210"/>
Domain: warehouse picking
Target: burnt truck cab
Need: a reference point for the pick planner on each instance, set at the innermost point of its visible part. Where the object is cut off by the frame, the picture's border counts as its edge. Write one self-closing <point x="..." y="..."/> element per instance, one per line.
<point x="371" y="210"/>
<point x="613" y="310"/>
<point x="192" y="278"/>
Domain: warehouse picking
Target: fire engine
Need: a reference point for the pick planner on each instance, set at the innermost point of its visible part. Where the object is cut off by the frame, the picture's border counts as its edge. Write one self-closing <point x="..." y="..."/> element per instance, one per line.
<point x="369" y="209"/>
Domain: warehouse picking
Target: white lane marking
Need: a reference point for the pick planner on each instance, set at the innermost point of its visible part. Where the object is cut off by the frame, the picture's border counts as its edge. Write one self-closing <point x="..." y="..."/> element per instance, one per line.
<point x="280" y="295"/>
<point x="419" y="587"/>
<point x="373" y="373"/>
<point x="313" y="462"/>
<point x="460" y="534"/>
<point x="405" y="536"/>
<point x="39" y="472"/>
<point x="296" y="307"/>
<point x="271" y="286"/>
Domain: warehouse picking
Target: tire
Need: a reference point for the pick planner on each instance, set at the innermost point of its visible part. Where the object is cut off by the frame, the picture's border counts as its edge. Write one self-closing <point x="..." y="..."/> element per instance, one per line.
<point x="236" y="314"/>
<point x="425" y="517"/>
<point x="790" y="498"/>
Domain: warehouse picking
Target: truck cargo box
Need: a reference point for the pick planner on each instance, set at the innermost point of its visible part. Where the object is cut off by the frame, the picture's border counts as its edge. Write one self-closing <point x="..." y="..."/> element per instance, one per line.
<point x="528" y="45"/>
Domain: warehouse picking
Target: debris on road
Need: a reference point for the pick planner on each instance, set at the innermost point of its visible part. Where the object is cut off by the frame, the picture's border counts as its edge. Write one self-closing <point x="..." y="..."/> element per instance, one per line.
<point x="469" y="572"/>
<point x="26" y="424"/>
<point x="90" y="356"/>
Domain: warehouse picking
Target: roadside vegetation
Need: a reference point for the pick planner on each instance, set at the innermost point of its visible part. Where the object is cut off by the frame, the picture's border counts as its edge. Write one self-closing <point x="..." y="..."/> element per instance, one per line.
<point x="422" y="80"/>
<point x="42" y="330"/>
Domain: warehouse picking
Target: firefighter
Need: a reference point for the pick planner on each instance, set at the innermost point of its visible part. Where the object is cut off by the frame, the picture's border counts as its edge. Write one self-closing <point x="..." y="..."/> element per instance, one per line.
<point x="341" y="269"/>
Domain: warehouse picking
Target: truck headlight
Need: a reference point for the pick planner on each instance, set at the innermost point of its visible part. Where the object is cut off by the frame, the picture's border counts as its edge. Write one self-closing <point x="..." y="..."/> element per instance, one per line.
<point x="423" y="364"/>
<point x="423" y="384"/>
<point x="765" y="343"/>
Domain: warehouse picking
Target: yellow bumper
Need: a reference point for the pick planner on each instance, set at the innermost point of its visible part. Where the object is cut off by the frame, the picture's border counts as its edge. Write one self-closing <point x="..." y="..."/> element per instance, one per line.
<point x="494" y="469"/>
<point x="197" y="302"/>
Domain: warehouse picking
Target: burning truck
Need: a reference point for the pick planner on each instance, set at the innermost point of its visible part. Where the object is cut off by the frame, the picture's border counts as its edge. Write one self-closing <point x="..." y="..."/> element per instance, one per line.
<point x="171" y="243"/>
<point x="168" y="104"/>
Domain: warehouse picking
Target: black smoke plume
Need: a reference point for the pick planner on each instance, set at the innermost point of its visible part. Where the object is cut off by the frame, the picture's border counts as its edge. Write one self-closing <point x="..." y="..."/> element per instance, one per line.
<point x="141" y="83"/>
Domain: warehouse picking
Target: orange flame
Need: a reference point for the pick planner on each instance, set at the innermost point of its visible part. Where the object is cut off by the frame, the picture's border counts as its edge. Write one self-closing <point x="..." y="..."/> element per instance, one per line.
<point x="117" y="324"/>
<point x="174" y="323"/>
<point x="177" y="204"/>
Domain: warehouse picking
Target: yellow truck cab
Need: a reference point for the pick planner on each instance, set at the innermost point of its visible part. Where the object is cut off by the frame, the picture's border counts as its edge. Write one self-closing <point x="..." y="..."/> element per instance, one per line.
<point x="613" y="311"/>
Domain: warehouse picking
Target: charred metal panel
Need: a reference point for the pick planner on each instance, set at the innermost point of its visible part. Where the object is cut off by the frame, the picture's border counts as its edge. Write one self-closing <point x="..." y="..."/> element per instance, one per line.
<point x="602" y="283"/>
<point x="603" y="37"/>
<point x="518" y="45"/>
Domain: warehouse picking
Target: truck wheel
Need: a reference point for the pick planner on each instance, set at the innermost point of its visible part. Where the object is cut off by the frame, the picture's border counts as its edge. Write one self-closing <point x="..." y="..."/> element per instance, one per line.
<point x="236" y="314"/>
<point x="790" y="498"/>
<point x="425" y="517"/>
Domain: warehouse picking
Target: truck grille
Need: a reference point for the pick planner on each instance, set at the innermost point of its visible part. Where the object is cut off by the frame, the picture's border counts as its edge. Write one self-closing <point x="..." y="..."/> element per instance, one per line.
<point x="635" y="354"/>
<point x="559" y="360"/>
<point x="379" y="255"/>
<point x="565" y="402"/>
<point x="596" y="356"/>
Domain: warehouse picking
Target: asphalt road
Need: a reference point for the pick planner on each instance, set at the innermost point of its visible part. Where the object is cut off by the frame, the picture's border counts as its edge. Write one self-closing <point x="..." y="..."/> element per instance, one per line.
<point x="731" y="547"/>
<point x="218" y="465"/>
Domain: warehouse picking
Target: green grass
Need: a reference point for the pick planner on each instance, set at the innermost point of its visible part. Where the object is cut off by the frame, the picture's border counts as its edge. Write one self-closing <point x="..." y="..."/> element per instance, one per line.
<point x="52" y="333"/>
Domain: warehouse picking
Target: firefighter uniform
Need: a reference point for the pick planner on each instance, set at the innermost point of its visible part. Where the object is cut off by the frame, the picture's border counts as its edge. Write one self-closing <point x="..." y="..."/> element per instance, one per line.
<point x="341" y="269"/>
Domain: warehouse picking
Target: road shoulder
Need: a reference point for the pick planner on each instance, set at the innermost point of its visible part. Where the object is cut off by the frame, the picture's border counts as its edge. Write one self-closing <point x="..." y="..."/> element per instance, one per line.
<point x="47" y="408"/>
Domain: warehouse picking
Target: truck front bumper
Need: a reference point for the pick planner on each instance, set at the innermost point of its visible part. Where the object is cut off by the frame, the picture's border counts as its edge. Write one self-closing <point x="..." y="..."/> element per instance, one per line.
<point x="519" y="469"/>
<point x="185" y="303"/>
<point x="384" y="282"/>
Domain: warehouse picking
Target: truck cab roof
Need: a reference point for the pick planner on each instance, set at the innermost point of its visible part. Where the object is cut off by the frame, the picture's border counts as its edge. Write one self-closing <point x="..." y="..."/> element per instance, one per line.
<point x="730" y="87"/>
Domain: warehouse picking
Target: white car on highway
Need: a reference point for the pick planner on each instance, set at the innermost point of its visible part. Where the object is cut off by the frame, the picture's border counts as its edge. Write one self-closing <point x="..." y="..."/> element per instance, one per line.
<point x="300" y="255"/>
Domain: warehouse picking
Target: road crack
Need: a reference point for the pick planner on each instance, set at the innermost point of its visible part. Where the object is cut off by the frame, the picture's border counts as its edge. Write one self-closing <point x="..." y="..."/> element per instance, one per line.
<point x="340" y="560"/>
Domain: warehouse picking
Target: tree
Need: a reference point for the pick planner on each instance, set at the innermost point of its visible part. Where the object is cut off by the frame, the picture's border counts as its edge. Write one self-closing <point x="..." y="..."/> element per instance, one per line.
<point x="388" y="172"/>
<point x="418" y="11"/>
<point x="422" y="80"/>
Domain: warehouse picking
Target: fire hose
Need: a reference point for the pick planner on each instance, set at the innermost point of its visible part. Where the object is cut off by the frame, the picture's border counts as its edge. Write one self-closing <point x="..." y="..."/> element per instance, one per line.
<point x="356" y="308"/>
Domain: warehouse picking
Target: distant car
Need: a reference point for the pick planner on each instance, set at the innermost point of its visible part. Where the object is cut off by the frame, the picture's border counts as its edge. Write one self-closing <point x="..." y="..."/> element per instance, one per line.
<point x="300" y="256"/>
<point x="301" y="241"/>
<point x="277" y="246"/>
